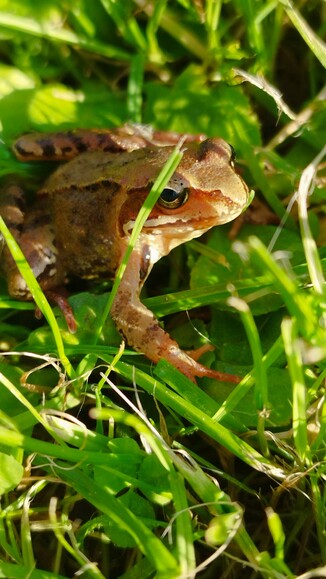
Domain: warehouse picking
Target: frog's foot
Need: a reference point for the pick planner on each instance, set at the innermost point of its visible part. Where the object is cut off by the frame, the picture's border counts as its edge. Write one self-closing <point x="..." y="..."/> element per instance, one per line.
<point x="216" y="375"/>
<point x="204" y="371"/>
<point x="62" y="302"/>
<point x="186" y="363"/>
<point x="198" y="352"/>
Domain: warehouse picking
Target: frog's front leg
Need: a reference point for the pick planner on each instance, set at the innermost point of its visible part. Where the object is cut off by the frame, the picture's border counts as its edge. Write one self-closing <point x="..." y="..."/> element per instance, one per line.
<point x="12" y="210"/>
<point x="33" y="230"/>
<point x="142" y="331"/>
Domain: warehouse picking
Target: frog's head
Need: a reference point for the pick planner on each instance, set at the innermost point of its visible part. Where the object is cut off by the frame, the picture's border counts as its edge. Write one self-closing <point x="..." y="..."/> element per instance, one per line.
<point x="203" y="192"/>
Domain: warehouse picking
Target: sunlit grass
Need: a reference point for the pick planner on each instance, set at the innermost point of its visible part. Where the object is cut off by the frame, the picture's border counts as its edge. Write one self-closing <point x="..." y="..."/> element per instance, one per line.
<point x="130" y="469"/>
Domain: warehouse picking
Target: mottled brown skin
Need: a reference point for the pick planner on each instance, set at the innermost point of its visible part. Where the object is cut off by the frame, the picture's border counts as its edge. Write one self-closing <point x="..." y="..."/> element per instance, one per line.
<point x="82" y="219"/>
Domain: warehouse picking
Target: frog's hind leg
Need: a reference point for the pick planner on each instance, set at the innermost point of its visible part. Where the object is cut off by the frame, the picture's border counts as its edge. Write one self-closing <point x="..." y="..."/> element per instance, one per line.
<point x="60" y="299"/>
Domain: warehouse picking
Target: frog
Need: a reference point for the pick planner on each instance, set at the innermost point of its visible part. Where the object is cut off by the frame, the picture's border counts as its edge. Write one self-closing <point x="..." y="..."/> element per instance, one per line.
<point x="82" y="218"/>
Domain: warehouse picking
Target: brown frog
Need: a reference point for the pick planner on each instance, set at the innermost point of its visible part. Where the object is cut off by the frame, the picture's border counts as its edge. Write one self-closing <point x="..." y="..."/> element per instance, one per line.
<point x="81" y="221"/>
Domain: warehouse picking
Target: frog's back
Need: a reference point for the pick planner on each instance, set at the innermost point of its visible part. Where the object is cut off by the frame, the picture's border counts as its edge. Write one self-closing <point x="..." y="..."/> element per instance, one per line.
<point x="130" y="170"/>
<point x="85" y="225"/>
<point x="88" y="196"/>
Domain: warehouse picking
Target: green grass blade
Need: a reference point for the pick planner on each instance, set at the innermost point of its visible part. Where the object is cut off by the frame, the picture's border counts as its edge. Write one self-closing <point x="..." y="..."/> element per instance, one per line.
<point x="319" y="504"/>
<point x="21" y="572"/>
<point x="135" y="88"/>
<point x="184" y="533"/>
<point x="309" y="244"/>
<point x="190" y="412"/>
<point x="142" y="216"/>
<point x="63" y="527"/>
<point x="213" y="10"/>
<point x="316" y="45"/>
<point x="127" y="25"/>
<point x="299" y="307"/>
<point x="261" y="386"/>
<point x="161" y="558"/>
<point x="38" y="295"/>
<point x="293" y="353"/>
<point x="30" y="26"/>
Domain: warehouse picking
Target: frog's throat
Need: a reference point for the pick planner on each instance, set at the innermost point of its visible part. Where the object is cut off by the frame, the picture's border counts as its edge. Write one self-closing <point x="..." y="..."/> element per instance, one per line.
<point x="152" y="246"/>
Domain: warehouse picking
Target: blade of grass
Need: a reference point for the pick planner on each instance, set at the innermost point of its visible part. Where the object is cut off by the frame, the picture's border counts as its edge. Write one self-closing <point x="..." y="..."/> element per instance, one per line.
<point x="25" y="527"/>
<point x="37" y="294"/>
<point x="31" y="409"/>
<point x="173" y="26"/>
<point x="126" y="24"/>
<point x="299" y="415"/>
<point x="189" y="412"/>
<point x="9" y="304"/>
<point x="31" y="26"/>
<point x="319" y="501"/>
<point x="159" y="184"/>
<point x="213" y="10"/>
<point x="155" y="53"/>
<point x="261" y="385"/>
<point x="248" y="153"/>
<point x="21" y="572"/>
<point x="319" y="442"/>
<point x="184" y="533"/>
<point x="277" y="532"/>
<point x="197" y="397"/>
<point x="10" y="549"/>
<point x="199" y="481"/>
<point x="249" y="9"/>
<point x="205" y="295"/>
<point x="217" y="502"/>
<point x="309" y="244"/>
<point x="62" y="527"/>
<point x="316" y="45"/>
<point x="299" y="307"/>
<point x="135" y="87"/>
<point x="234" y="399"/>
<point x="150" y="545"/>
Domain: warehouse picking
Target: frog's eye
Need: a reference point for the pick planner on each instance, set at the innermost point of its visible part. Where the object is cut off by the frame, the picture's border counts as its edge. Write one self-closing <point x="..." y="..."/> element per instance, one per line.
<point x="172" y="198"/>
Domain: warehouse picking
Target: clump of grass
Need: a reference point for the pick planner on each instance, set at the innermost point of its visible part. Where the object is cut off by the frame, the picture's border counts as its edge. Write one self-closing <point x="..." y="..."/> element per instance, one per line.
<point x="108" y="466"/>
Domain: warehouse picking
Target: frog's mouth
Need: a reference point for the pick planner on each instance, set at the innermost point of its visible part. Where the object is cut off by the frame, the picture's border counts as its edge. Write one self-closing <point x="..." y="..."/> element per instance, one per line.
<point x="165" y="223"/>
<point x="165" y="233"/>
<point x="178" y="226"/>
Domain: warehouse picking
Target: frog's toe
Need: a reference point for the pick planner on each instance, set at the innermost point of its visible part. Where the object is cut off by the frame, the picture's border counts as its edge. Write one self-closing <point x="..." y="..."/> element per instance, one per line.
<point x="200" y="370"/>
<point x="62" y="302"/>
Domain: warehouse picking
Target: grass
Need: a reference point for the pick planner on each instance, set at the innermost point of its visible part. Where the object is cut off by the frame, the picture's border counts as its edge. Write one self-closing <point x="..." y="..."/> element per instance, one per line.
<point x="110" y="467"/>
